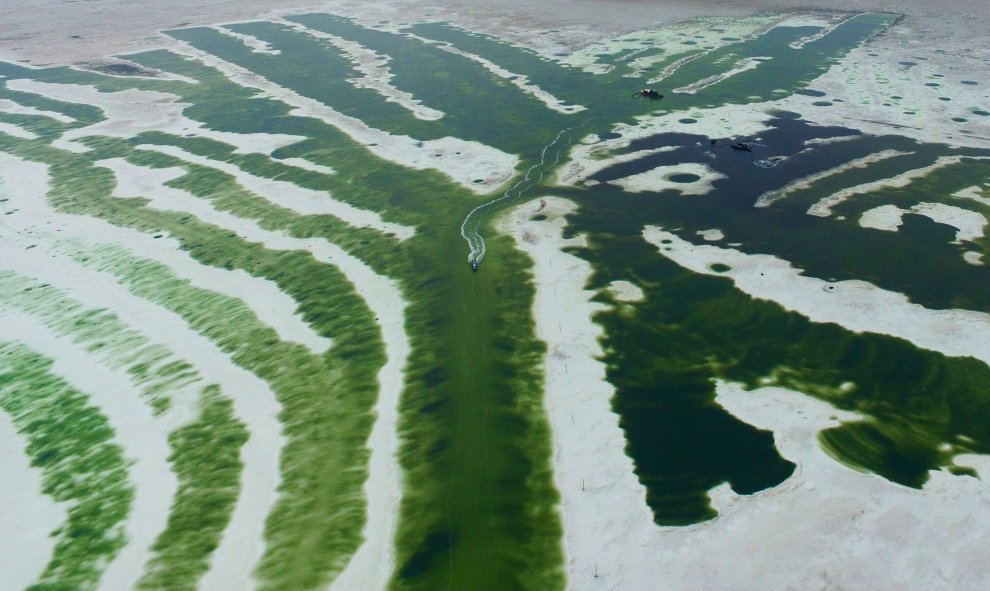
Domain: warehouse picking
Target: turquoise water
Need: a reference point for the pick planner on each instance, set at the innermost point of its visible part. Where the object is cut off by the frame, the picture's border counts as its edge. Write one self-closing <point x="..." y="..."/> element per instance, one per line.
<point x="479" y="506"/>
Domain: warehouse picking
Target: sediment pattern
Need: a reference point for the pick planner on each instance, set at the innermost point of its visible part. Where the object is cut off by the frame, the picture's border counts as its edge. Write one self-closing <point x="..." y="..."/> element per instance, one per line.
<point x="246" y="351"/>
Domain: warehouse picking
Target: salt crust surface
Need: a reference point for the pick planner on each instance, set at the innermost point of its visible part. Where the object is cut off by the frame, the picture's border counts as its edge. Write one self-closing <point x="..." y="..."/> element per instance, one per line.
<point x="371" y="566"/>
<point x="974" y="193"/>
<point x="856" y="305"/>
<point x="658" y="179"/>
<point x="519" y="81"/>
<point x="589" y="157"/>
<point x="625" y="291"/>
<point x="285" y="194"/>
<point x="253" y="43"/>
<point x="27" y="516"/>
<point x="519" y="26"/>
<point x="970" y="225"/>
<point x="876" y="532"/>
<point x="18" y="109"/>
<point x="822" y="207"/>
<point x="307" y="165"/>
<point x="254" y="403"/>
<point x="142" y="437"/>
<point x="16" y="131"/>
<point x="463" y="161"/>
<point x="374" y="69"/>
<point x="712" y="235"/>
<point x="741" y="66"/>
<point x="131" y="112"/>
<point x="883" y="217"/>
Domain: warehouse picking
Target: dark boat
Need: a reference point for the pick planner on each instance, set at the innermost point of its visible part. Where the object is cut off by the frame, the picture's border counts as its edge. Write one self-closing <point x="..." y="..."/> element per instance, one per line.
<point x="647" y="93"/>
<point x="474" y="264"/>
<point x="741" y="146"/>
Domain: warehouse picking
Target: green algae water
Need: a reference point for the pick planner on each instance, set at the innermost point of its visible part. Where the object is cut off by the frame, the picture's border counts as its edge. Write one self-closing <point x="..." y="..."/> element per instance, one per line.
<point x="479" y="509"/>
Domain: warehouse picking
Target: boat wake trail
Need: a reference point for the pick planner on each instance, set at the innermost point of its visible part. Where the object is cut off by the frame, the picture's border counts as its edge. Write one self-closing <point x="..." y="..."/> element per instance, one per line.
<point x="470" y="227"/>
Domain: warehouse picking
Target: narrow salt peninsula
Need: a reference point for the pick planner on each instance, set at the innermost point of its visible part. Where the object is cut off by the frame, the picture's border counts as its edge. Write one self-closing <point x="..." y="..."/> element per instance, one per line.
<point x="856" y="305"/>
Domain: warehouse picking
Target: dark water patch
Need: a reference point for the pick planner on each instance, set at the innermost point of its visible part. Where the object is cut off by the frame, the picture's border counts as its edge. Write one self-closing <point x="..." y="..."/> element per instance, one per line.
<point x="908" y="64"/>
<point x="979" y="112"/>
<point x="960" y="119"/>
<point x="786" y="137"/>
<point x="932" y="84"/>
<point x="785" y="114"/>
<point x="895" y="456"/>
<point x="857" y="358"/>
<point x="123" y="70"/>
<point x="434" y="547"/>
<point x="687" y="120"/>
<point x="822" y="103"/>
<point x="692" y="328"/>
<point x="944" y="99"/>
<point x="612" y="135"/>
<point x="809" y="92"/>
<point x="683" y="177"/>
<point x="969" y="82"/>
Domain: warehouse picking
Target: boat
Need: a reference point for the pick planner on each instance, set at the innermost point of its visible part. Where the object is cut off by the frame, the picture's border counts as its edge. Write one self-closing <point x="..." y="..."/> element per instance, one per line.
<point x="647" y="93"/>
<point x="474" y="264"/>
